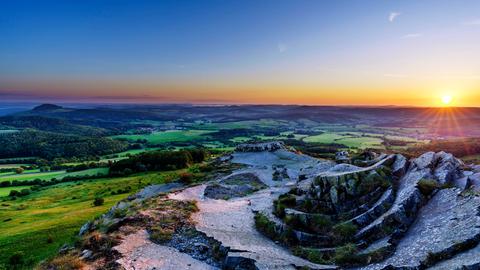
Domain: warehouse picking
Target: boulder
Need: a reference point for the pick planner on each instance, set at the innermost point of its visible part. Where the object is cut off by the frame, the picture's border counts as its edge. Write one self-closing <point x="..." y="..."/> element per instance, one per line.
<point x="425" y="161"/>
<point x="447" y="167"/>
<point x="85" y="228"/>
<point x="236" y="261"/>
<point x="399" y="167"/>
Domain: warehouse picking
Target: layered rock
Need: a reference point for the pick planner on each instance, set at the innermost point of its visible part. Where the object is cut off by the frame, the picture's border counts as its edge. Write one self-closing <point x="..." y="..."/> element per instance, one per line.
<point x="403" y="214"/>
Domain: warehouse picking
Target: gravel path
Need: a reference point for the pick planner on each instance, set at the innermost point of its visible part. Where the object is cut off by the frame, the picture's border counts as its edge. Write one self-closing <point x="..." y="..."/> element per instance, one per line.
<point x="138" y="252"/>
<point x="232" y="222"/>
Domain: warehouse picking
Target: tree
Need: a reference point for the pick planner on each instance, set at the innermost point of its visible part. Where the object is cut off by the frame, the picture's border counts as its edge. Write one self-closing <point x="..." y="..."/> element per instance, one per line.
<point x="98" y="201"/>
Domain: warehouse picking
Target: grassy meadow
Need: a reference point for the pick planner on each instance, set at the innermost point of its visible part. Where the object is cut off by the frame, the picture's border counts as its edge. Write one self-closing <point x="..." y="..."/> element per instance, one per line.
<point x="39" y="224"/>
<point x="36" y="174"/>
<point x="167" y="136"/>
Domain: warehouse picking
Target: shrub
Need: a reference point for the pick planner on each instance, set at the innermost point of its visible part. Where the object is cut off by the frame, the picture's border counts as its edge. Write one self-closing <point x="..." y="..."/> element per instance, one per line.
<point x="186" y="178"/>
<point x="344" y="231"/>
<point x="19" y="170"/>
<point x="279" y="210"/>
<point x="427" y="186"/>
<point x="161" y="235"/>
<point x="14" y="193"/>
<point x="98" y="201"/>
<point x="321" y="223"/>
<point x="287" y="200"/>
<point x="264" y="225"/>
<point x="347" y="255"/>
<point x="25" y="192"/>
<point x="63" y="262"/>
<point x="313" y="255"/>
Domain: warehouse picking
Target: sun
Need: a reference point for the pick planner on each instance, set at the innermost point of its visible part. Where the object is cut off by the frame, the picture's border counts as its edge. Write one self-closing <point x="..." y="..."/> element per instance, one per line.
<point x="446" y="100"/>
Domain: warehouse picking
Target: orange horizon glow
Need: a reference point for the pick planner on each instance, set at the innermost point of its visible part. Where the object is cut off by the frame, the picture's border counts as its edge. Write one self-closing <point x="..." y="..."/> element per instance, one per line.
<point x="249" y="93"/>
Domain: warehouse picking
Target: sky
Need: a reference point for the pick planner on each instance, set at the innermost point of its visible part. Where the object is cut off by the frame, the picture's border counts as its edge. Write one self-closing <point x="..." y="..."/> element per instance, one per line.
<point x="358" y="52"/>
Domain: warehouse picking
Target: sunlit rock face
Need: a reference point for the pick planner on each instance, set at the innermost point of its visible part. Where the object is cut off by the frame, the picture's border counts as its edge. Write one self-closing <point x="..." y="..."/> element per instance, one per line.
<point x="394" y="214"/>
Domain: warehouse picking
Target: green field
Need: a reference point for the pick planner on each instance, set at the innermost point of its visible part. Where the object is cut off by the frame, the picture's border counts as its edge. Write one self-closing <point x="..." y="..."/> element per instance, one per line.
<point x="238" y="124"/>
<point x="36" y="174"/>
<point x="352" y="141"/>
<point x="7" y="131"/>
<point x="167" y="136"/>
<point x="8" y="166"/>
<point x="40" y="223"/>
<point x="4" y="191"/>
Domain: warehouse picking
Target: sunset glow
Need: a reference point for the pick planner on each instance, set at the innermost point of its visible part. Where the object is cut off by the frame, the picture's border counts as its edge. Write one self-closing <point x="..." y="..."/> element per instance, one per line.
<point x="446" y="100"/>
<point x="318" y="52"/>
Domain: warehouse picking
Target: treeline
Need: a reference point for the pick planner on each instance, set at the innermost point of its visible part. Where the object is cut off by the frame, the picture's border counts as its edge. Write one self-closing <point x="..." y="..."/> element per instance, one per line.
<point x="51" y="124"/>
<point x="157" y="161"/>
<point x="323" y="150"/>
<point x="49" y="145"/>
<point x="458" y="147"/>
<point x="53" y="181"/>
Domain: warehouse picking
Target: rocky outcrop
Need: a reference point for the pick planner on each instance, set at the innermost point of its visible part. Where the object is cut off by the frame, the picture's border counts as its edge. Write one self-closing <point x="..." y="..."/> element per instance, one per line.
<point x="403" y="214"/>
<point x="237" y="185"/>
<point x="395" y="213"/>
<point x="260" y="147"/>
<point x="447" y="225"/>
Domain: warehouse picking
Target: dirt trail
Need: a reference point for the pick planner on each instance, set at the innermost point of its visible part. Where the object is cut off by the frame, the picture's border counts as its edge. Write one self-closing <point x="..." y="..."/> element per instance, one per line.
<point x="232" y="222"/>
<point x="141" y="253"/>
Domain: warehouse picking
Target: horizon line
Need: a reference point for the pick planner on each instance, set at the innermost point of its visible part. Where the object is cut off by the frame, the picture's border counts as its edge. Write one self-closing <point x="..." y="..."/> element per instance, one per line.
<point x="96" y="102"/>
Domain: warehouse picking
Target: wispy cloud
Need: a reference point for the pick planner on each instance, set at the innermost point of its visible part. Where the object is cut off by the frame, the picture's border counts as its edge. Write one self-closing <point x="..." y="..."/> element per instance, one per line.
<point x="282" y="47"/>
<point x="472" y="22"/>
<point x="412" y="35"/>
<point x="393" y="15"/>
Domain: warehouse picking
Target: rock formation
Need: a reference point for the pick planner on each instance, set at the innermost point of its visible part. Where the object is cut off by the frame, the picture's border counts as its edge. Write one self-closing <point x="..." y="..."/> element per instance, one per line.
<point x="395" y="214"/>
<point x="260" y="147"/>
<point x="386" y="212"/>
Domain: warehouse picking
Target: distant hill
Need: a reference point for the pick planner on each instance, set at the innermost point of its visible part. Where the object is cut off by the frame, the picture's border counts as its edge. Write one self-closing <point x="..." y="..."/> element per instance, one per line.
<point x="120" y="118"/>
<point x="47" y="107"/>
<point x="51" y="124"/>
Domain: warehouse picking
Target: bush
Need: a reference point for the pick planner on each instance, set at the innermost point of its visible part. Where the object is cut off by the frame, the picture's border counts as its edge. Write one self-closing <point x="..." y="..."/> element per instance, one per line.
<point x="427" y="186"/>
<point x="161" y="235"/>
<point x="264" y="225"/>
<point x="98" y="201"/>
<point x="321" y="223"/>
<point x="344" y="231"/>
<point x="63" y="262"/>
<point x="25" y="192"/>
<point x="186" y="178"/>
<point x="287" y="200"/>
<point x="313" y="255"/>
<point x="347" y="255"/>
<point x="14" y="193"/>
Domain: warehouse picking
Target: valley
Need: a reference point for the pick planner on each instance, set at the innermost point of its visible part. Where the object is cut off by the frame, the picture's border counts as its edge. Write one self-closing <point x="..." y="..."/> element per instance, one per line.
<point x="46" y="196"/>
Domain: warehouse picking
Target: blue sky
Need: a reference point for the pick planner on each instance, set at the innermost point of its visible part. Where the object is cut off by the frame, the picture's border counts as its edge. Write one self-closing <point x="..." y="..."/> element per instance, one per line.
<point x="240" y="51"/>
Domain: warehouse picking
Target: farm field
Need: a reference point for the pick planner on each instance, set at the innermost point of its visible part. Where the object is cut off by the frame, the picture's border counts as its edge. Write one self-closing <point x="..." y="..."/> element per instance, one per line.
<point x="167" y="136"/>
<point x="6" y="131"/>
<point x="36" y="174"/>
<point x="4" y="191"/>
<point x="9" y="166"/>
<point x="45" y="220"/>
<point x="351" y="141"/>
